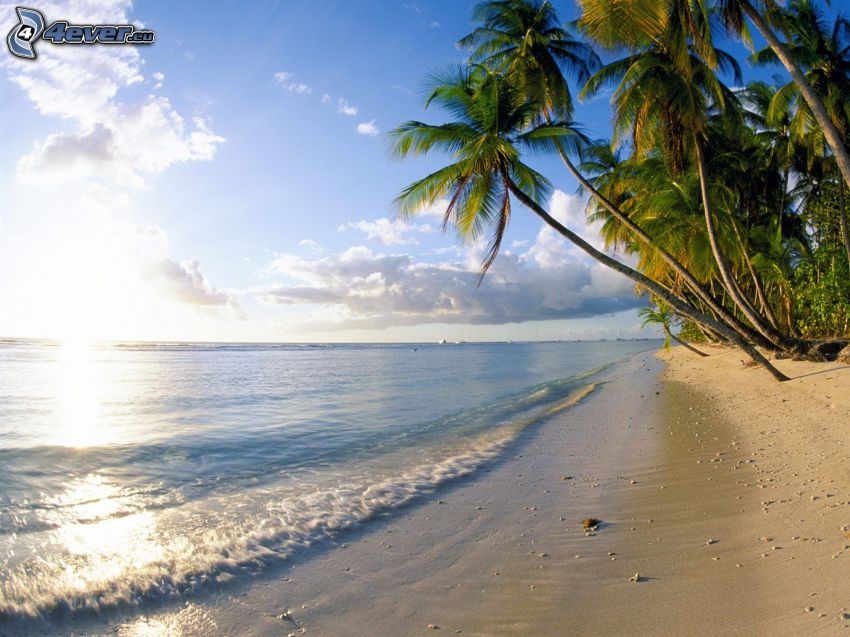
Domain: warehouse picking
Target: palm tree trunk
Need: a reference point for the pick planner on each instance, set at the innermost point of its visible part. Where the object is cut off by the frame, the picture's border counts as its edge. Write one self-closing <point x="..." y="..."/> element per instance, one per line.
<point x="668" y="258"/>
<point x="709" y="334"/>
<point x="726" y="274"/>
<point x="762" y="297"/>
<point x="842" y="214"/>
<point x="687" y="346"/>
<point x="784" y="197"/>
<point x="833" y="137"/>
<point x="649" y="284"/>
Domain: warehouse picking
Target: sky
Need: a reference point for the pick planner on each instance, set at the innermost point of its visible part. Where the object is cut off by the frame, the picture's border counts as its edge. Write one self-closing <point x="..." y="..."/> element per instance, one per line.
<point x="233" y="182"/>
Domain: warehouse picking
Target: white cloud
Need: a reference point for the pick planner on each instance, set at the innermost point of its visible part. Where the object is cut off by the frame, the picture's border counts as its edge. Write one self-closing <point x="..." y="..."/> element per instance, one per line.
<point x="362" y="289"/>
<point x="145" y="253"/>
<point x="326" y="99"/>
<point x="127" y="143"/>
<point x="184" y="282"/>
<point x="368" y="128"/>
<point x="312" y="245"/>
<point x="386" y="231"/>
<point x="106" y="141"/>
<point x="343" y="107"/>
<point x="284" y="79"/>
<point x="105" y="137"/>
<point x="550" y="249"/>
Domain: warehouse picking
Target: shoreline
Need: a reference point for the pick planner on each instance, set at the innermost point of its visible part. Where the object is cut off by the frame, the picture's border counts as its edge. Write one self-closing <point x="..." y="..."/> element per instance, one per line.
<point x="724" y="490"/>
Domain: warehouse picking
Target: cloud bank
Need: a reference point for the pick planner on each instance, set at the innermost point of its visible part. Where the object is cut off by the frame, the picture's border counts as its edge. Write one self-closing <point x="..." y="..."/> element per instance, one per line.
<point x="109" y="139"/>
<point x="360" y="288"/>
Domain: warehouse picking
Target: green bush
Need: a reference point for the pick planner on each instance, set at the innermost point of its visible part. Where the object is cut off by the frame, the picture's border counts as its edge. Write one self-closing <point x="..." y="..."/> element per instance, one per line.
<point x="822" y="295"/>
<point x="690" y="333"/>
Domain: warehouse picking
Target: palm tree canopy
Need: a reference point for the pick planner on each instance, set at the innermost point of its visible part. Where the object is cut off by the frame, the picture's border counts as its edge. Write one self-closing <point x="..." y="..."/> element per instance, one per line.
<point x="823" y="53"/>
<point x="493" y="122"/>
<point x="655" y="105"/>
<point x="524" y="39"/>
<point x="661" y="315"/>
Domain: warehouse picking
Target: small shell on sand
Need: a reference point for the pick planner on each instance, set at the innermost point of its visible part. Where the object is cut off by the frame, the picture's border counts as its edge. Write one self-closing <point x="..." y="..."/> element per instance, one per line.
<point x="636" y="578"/>
<point x="710" y="541"/>
<point x="433" y="627"/>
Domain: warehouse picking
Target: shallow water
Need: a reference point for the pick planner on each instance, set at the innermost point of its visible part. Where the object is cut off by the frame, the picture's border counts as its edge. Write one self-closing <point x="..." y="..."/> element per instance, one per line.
<point x="148" y="471"/>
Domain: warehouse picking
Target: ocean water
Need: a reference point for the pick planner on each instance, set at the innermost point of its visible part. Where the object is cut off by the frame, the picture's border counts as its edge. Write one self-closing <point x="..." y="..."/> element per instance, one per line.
<point x="146" y="471"/>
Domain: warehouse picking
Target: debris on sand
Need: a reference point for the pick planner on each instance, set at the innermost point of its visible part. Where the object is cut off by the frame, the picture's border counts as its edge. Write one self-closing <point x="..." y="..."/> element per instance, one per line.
<point x="636" y="578"/>
<point x="590" y="524"/>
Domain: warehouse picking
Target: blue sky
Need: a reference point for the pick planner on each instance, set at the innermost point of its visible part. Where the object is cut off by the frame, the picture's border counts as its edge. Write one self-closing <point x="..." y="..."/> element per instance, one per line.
<point x="233" y="182"/>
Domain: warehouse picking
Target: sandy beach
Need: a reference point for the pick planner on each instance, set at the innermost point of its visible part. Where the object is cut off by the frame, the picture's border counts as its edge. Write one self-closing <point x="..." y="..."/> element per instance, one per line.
<point x="728" y="493"/>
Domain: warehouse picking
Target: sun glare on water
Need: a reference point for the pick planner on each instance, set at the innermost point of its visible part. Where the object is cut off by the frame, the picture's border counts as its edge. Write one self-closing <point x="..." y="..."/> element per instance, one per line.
<point x="83" y="391"/>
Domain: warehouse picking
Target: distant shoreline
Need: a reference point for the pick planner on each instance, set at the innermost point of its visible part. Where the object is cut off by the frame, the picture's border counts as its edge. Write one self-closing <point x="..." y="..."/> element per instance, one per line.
<point x="59" y="341"/>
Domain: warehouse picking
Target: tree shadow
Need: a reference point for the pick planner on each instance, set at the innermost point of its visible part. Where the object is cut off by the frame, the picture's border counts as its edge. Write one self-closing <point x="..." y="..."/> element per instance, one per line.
<point x="842" y="368"/>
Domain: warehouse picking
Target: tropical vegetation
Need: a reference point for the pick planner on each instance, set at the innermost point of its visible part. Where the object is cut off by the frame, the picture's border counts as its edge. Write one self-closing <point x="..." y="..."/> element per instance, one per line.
<point x="729" y="200"/>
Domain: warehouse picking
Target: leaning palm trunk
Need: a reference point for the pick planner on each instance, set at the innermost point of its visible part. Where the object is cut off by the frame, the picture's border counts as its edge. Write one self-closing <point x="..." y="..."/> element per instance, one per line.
<point x="719" y="311"/>
<point x="651" y="285"/>
<point x="743" y="330"/>
<point x="709" y="334"/>
<point x="774" y="336"/>
<point x="833" y="137"/>
<point x="842" y="215"/>
<point x="762" y="298"/>
<point x="687" y="346"/>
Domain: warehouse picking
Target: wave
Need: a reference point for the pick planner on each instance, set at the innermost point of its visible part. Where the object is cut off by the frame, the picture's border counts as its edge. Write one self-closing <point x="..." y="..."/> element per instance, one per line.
<point x="199" y="551"/>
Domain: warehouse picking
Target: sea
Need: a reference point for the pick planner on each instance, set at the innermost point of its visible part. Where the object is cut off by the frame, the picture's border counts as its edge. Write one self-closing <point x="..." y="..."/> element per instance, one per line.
<point x="132" y="472"/>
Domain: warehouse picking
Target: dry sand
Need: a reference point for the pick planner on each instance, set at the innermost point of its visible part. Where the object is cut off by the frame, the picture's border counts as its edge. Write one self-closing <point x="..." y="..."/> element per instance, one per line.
<point x="726" y="491"/>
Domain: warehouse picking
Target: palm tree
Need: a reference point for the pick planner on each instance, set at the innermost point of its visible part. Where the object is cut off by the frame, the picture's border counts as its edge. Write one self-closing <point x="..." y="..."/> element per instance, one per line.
<point x="659" y="106"/>
<point x="661" y="315"/>
<point x="773" y="133"/>
<point x="494" y="120"/>
<point x="522" y="39"/>
<point x="732" y="13"/>
<point x="634" y="23"/>
<point x="824" y="53"/>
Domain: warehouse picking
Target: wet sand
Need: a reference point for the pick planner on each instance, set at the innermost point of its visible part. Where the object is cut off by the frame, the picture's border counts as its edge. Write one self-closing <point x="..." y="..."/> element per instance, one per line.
<point x="725" y="491"/>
